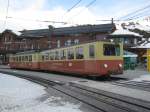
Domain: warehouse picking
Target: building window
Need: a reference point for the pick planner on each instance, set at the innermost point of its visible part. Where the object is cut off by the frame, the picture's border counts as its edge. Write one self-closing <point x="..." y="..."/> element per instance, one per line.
<point x="5" y="38"/>
<point x="135" y="41"/>
<point x="58" y="43"/>
<point x="125" y="40"/>
<point x="79" y="53"/>
<point x="91" y="51"/>
<point x="68" y="42"/>
<point x="49" y="45"/>
<point x="38" y="46"/>
<point x="76" y="41"/>
<point x="32" y="47"/>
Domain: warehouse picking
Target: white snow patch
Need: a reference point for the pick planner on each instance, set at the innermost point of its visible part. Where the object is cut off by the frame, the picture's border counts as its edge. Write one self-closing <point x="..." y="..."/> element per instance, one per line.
<point x="20" y="95"/>
<point x="142" y="78"/>
<point x="146" y="44"/>
<point x="121" y="31"/>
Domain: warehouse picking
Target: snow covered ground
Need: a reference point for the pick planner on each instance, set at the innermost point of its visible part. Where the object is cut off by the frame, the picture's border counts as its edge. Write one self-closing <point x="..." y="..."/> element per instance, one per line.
<point x="137" y="74"/>
<point x="19" y="95"/>
<point x="143" y="78"/>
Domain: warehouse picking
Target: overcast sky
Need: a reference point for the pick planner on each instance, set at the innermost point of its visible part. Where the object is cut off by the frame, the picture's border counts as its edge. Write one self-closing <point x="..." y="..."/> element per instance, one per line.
<point x="26" y="14"/>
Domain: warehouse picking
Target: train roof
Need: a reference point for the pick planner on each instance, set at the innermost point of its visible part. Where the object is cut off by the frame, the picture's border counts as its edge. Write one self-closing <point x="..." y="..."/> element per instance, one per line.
<point x="78" y="45"/>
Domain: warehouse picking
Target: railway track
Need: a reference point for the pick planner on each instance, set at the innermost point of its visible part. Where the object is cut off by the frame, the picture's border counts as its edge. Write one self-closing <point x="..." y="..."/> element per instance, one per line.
<point x="102" y="101"/>
<point x="143" y="85"/>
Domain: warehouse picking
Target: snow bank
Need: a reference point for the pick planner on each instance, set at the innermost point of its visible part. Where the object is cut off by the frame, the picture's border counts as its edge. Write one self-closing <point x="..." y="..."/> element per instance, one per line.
<point x="142" y="78"/>
<point x="19" y="95"/>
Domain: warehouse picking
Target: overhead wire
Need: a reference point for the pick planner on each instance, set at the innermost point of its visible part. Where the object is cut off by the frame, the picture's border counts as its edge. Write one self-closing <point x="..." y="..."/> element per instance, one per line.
<point x="133" y="13"/>
<point x="87" y="6"/>
<point x="70" y="9"/>
<point x="45" y="21"/>
<point x="73" y="6"/>
<point x="142" y="14"/>
<point x="7" y="10"/>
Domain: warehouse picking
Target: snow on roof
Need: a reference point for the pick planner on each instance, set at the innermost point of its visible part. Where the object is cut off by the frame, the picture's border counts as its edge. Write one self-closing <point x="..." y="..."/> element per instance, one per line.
<point x="121" y="31"/>
<point x="140" y="23"/>
<point x="129" y="54"/>
<point x="141" y="27"/>
<point x="146" y="45"/>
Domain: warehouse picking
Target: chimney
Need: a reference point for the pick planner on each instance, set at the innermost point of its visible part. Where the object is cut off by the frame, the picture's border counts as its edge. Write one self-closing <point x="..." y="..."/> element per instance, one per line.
<point x="112" y="20"/>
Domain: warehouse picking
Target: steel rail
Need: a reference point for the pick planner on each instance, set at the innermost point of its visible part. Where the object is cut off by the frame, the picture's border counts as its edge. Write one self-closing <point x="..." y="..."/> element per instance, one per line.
<point x="101" y="100"/>
<point x="133" y="84"/>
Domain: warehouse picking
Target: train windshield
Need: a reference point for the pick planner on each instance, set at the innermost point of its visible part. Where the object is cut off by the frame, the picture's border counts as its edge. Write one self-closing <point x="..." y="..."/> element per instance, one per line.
<point x="111" y="50"/>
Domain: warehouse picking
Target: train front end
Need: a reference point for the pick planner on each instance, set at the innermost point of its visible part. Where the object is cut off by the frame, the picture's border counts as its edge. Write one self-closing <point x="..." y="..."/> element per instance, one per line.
<point x="111" y="59"/>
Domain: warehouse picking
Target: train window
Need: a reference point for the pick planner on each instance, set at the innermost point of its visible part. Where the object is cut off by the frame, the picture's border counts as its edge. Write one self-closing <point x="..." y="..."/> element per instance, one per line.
<point x="56" y="55"/>
<point x="63" y="54"/>
<point x="111" y="50"/>
<point x="30" y="58"/>
<point x="42" y="57"/>
<point x="15" y="59"/>
<point x="26" y="58"/>
<point x="12" y="59"/>
<point x="91" y="51"/>
<point x="19" y="58"/>
<point x="70" y="53"/>
<point x="34" y="57"/>
<point x="22" y="58"/>
<point x="79" y="53"/>
<point x="47" y="56"/>
<point x="51" y="55"/>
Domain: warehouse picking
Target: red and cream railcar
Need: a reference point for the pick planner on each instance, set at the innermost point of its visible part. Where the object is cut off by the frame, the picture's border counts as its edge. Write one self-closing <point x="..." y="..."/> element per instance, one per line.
<point x="25" y="60"/>
<point x="93" y="59"/>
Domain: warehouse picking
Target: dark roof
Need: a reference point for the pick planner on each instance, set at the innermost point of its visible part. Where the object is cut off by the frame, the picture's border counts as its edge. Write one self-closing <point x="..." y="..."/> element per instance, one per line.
<point x="123" y="36"/>
<point x="9" y="31"/>
<point x="35" y="33"/>
<point x="83" y="29"/>
<point x="102" y="28"/>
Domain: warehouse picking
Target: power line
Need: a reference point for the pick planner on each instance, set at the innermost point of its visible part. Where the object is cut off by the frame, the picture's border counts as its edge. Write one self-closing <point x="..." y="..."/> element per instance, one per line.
<point x="45" y="21"/>
<point x="106" y="20"/>
<point x="92" y="2"/>
<point x="70" y="9"/>
<point x="135" y="12"/>
<point x="138" y="15"/>
<point x="7" y="9"/>
<point x="87" y="6"/>
<point x="74" y="6"/>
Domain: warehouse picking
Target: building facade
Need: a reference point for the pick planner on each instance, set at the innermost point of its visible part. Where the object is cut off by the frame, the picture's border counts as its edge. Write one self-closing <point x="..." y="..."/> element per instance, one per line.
<point x="42" y="39"/>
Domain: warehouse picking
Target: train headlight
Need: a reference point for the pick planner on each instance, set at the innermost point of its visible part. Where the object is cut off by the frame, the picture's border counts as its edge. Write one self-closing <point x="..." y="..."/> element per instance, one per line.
<point x="120" y="65"/>
<point x="105" y="65"/>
